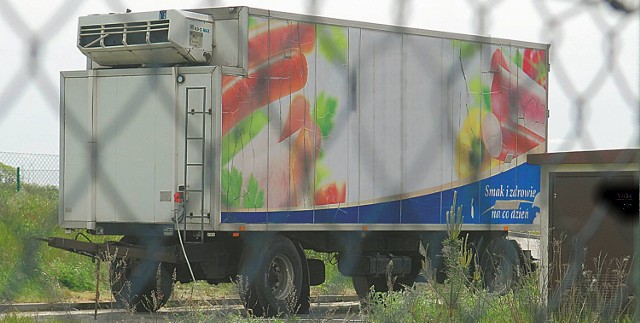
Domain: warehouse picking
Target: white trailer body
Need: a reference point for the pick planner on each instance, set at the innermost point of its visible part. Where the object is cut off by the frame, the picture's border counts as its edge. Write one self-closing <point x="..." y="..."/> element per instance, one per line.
<point x="315" y="124"/>
<point x="259" y="134"/>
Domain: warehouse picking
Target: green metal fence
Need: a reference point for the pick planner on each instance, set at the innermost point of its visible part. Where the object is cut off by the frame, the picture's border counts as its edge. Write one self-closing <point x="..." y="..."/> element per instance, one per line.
<point x="38" y="169"/>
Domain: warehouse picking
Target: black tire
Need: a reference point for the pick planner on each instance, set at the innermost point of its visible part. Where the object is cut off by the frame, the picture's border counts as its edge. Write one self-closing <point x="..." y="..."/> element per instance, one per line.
<point x="363" y="284"/>
<point x="270" y="280"/>
<point x="500" y="264"/>
<point x="141" y="285"/>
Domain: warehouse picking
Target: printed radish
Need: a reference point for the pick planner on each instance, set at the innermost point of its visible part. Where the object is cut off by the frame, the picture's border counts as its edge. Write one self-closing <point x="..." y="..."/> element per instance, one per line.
<point x="502" y="139"/>
<point x="533" y="64"/>
<point x="518" y="104"/>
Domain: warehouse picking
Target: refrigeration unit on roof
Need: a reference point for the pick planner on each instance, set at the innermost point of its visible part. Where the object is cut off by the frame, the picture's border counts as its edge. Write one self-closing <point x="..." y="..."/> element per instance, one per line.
<point x="159" y="37"/>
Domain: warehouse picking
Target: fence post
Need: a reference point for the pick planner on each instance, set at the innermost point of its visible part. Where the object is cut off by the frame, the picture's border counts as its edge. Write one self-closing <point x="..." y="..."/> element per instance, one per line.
<point x="18" y="179"/>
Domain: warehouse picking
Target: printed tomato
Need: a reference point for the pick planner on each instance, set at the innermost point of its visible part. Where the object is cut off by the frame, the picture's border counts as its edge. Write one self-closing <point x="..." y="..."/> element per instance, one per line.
<point x="332" y="193"/>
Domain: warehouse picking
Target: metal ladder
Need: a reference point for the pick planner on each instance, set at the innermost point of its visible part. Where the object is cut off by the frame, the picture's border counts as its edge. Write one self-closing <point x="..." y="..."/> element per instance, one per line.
<point x="197" y="165"/>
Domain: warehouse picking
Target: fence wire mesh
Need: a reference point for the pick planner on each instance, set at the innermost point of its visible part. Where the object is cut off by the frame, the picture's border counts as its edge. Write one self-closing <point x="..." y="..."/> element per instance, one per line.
<point x="38" y="169"/>
<point x="585" y="97"/>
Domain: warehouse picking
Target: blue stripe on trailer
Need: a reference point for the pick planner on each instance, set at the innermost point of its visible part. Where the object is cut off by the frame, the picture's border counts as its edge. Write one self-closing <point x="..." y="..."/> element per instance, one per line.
<point x="506" y="198"/>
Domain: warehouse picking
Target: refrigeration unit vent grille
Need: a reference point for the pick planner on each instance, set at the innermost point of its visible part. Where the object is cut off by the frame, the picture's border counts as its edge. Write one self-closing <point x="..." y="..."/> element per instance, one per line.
<point x="125" y="34"/>
<point x="164" y="37"/>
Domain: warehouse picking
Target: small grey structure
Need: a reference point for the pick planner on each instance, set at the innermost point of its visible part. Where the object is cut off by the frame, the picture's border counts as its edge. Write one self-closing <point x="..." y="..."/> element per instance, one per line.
<point x="590" y="207"/>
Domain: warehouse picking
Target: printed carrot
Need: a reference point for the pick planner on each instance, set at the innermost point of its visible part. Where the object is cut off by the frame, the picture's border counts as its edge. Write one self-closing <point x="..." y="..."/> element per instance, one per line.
<point x="304" y="152"/>
<point x="299" y="113"/>
<point x="265" y="85"/>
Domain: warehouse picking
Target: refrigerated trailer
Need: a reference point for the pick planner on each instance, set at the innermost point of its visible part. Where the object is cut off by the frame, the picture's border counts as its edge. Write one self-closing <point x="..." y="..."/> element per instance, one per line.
<point x="222" y="143"/>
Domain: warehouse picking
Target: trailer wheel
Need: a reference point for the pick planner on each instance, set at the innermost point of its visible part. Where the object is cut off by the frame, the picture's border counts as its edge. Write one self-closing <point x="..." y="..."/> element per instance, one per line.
<point x="500" y="265"/>
<point x="141" y="285"/>
<point x="363" y="284"/>
<point x="271" y="277"/>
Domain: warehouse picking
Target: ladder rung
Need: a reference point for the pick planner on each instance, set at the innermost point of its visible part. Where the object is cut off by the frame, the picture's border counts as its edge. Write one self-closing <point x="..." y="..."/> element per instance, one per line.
<point x="195" y="164"/>
<point x="195" y="138"/>
<point x="197" y="216"/>
<point x="190" y="191"/>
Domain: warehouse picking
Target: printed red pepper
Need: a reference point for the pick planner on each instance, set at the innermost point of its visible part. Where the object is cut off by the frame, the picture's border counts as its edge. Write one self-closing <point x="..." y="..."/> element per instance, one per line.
<point x="296" y="36"/>
<point x="265" y="85"/>
<point x="271" y="45"/>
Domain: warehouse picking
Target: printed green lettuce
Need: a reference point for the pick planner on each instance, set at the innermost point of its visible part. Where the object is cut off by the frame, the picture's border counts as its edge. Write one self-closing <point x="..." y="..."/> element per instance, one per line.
<point x="234" y="193"/>
<point x="240" y="135"/>
<point x="325" y="112"/>
<point x="254" y="196"/>
<point x="481" y="93"/>
<point x="231" y="187"/>
<point x="333" y="43"/>
<point x="466" y="49"/>
<point x="517" y="58"/>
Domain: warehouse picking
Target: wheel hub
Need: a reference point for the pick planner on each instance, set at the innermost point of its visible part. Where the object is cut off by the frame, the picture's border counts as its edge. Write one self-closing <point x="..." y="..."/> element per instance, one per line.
<point x="280" y="277"/>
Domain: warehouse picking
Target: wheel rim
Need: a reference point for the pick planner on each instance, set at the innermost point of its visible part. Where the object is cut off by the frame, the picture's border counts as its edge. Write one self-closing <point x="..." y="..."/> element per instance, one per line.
<point x="280" y="277"/>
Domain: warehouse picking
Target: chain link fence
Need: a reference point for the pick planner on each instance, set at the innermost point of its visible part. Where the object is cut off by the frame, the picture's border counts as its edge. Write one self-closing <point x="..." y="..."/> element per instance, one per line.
<point x="38" y="169"/>
<point x="583" y="97"/>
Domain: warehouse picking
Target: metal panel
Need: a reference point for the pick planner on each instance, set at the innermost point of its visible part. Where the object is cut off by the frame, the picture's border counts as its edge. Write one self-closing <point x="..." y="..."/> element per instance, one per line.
<point x="131" y="116"/>
<point x="76" y="119"/>
<point x="230" y="35"/>
<point x="134" y="131"/>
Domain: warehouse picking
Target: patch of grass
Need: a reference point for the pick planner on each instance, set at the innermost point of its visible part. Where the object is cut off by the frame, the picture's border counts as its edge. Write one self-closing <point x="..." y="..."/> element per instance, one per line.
<point x="24" y="215"/>
<point x="335" y="283"/>
<point x="32" y="271"/>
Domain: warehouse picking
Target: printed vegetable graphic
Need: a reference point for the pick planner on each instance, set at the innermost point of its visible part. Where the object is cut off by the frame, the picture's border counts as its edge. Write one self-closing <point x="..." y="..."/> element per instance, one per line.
<point x="265" y="85"/>
<point x="298" y="36"/>
<point x="278" y="71"/>
<point x="331" y="194"/>
<point x="471" y="155"/>
<point x="235" y="193"/>
<point x="279" y="41"/>
<point x="298" y="114"/>
<point x="516" y="124"/>
<point x="534" y="65"/>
